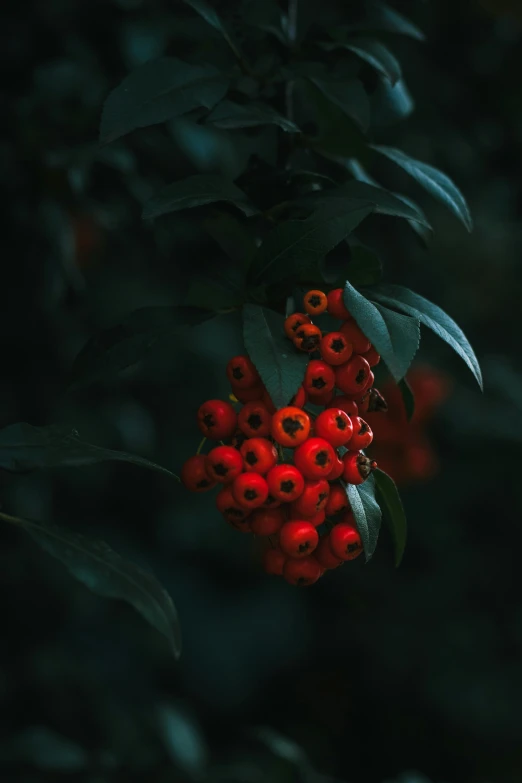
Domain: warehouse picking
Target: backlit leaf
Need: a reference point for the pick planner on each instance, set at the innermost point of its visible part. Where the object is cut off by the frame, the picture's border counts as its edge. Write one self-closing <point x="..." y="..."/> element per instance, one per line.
<point x="366" y="512"/>
<point x="197" y="191"/>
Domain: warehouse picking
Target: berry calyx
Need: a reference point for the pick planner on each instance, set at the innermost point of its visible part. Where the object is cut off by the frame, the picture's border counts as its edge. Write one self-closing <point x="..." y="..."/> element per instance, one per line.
<point x="372" y="402"/>
<point x="242" y="374"/>
<point x="298" y="538"/>
<point x="285" y="483"/>
<point x="314" y="458"/>
<point x="353" y="376"/>
<point x="254" y="419"/>
<point x="335" y="348"/>
<point x="267" y="521"/>
<point x="345" y="541"/>
<point x="362" y="435"/>
<point x="315" y="302"/>
<point x="357" y="467"/>
<point x="217" y="419"/>
<point x="258" y="454"/>
<point x="307" y="338"/>
<point x="250" y="490"/>
<point x="335" y="426"/>
<point x="293" y="322"/>
<point x="336" y="306"/>
<point x="319" y="377"/>
<point x="290" y="426"/>
<point x="302" y="573"/>
<point x="194" y="474"/>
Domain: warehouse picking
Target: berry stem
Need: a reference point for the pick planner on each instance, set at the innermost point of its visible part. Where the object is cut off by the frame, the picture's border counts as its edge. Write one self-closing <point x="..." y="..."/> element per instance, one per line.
<point x="201" y="446"/>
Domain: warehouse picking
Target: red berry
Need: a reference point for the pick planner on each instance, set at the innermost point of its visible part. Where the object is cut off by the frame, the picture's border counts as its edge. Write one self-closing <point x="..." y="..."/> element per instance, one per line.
<point x="336" y="306"/>
<point x="242" y="373"/>
<point x="307" y="338"/>
<point x="345" y="403"/>
<point x="231" y="510"/>
<point x="298" y="538"/>
<point x="314" y="458"/>
<point x="324" y="556"/>
<point x="194" y="474"/>
<point x="267" y="521"/>
<point x="315" y="302"/>
<point x="357" y="467"/>
<point x="248" y="395"/>
<point x="337" y="500"/>
<point x="274" y="561"/>
<point x="372" y="357"/>
<point x="250" y="490"/>
<point x="335" y="348"/>
<point x="362" y="435"/>
<point x="312" y="499"/>
<point x="335" y="426"/>
<point x="337" y="469"/>
<point x="224" y="463"/>
<point x="290" y="426"/>
<point x="321" y="398"/>
<point x="353" y="376"/>
<point x="345" y="541"/>
<point x="370" y="381"/>
<point x="319" y="377"/>
<point x="217" y="419"/>
<point x="259" y="455"/>
<point x="299" y="399"/>
<point x="302" y="572"/>
<point x="285" y="482"/>
<point x="355" y="336"/>
<point x="255" y="420"/>
<point x="293" y="322"/>
<point x="317" y="519"/>
<point x="271" y="502"/>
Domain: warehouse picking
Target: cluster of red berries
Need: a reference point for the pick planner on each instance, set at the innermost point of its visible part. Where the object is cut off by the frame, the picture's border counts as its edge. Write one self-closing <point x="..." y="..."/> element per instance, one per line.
<point x="287" y="498"/>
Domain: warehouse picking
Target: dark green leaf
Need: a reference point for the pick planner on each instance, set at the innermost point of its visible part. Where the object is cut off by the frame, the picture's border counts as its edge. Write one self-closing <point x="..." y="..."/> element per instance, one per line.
<point x="299" y="246"/>
<point x="233" y="238"/>
<point x="396" y="339"/>
<point x="211" y="16"/>
<point x="122" y="346"/>
<point x="107" y="574"/>
<point x="408" y="398"/>
<point x="196" y="191"/>
<point x="374" y="53"/>
<point x="228" y="115"/>
<point x="219" y="292"/>
<point x="433" y="317"/>
<point x="364" y="267"/>
<point x="279" y="364"/>
<point x="24" y="448"/>
<point x="391" y="103"/>
<point x="158" y="91"/>
<point x="366" y="512"/>
<point x="347" y="95"/>
<point x="393" y="511"/>
<point x="434" y="181"/>
<point x="381" y="17"/>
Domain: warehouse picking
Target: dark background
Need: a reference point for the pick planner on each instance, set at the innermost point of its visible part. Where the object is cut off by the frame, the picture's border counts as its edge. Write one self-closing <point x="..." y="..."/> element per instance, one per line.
<point x="376" y="674"/>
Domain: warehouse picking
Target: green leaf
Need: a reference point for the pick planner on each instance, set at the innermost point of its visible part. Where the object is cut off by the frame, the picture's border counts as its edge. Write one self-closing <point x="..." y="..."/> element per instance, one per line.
<point x="396" y="339"/>
<point x="233" y="238"/>
<point x="122" y="346"/>
<point x="279" y="364"/>
<point x="393" y="511"/>
<point x="366" y="512"/>
<point x="390" y="103"/>
<point x="158" y="91"/>
<point x="219" y="292"/>
<point x="299" y="246"/>
<point x="372" y="52"/>
<point x="24" y="448"/>
<point x="107" y="574"/>
<point x="381" y="17"/>
<point x="347" y="95"/>
<point x="211" y="16"/>
<point x="229" y="115"/>
<point x="364" y="267"/>
<point x="433" y="317"/>
<point x="197" y="191"/>
<point x="408" y="398"/>
<point x="434" y="181"/>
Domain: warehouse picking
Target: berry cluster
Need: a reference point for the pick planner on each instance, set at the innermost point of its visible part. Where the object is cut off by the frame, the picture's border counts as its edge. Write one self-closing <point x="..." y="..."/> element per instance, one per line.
<point x="283" y="472"/>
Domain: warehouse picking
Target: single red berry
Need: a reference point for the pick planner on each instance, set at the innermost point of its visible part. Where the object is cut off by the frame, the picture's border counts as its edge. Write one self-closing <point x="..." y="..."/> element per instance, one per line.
<point x="315" y="302"/>
<point x="337" y="469"/>
<point x="319" y="377"/>
<point x="353" y="376"/>
<point x="336" y="306"/>
<point x="290" y="426"/>
<point x="357" y="467"/>
<point x="217" y="419"/>
<point x="312" y="499"/>
<point x="248" y="395"/>
<point x="321" y="398"/>
<point x="307" y="338"/>
<point x="372" y="402"/>
<point x="300" y="398"/>
<point x="345" y="541"/>
<point x="370" y="381"/>
<point x="273" y="561"/>
<point x="317" y="519"/>
<point x="372" y="357"/>
<point x="242" y="373"/>
<point x="335" y="348"/>
<point x="259" y="455"/>
<point x="314" y="458"/>
<point x="285" y="482"/>
<point x="255" y="420"/>
<point x="355" y="336"/>
<point x="337" y="500"/>
<point x="250" y="490"/>
<point x="302" y="572"/>
<point x="224" y="463"/>
<point x="362" y="435"/>
<point x="267" y="521"/>
<point x="226" y="503"/>
<point x="324" y="556"/>
<point x="298" y="538"/>
<point x="293" y="322"/>
<point x="194" y="474"/>
<point x="345" y="403"/>
<point x="335" y="426"/>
